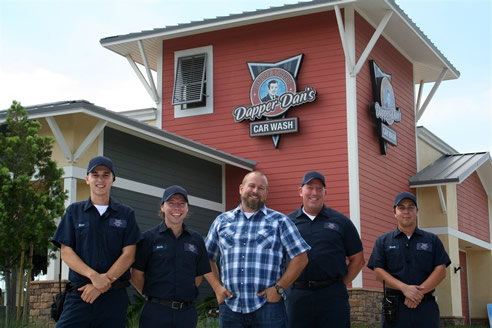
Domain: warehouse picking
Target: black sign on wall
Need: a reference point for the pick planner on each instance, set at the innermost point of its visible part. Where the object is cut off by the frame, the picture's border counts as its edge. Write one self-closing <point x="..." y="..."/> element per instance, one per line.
<point x="384" y="107"/>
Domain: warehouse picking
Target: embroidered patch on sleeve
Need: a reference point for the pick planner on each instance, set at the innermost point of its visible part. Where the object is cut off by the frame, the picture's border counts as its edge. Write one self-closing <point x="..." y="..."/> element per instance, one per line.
<point x="118" y="223"/>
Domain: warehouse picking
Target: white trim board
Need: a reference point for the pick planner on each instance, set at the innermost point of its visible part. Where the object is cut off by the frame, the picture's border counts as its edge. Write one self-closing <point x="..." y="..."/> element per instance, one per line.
<point x="459" y="235"/>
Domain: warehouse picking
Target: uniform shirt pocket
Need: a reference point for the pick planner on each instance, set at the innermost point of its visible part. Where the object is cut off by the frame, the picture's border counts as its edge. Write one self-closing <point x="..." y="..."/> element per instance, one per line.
<point x="424" y="256"/>
<point x="394" y="258"/>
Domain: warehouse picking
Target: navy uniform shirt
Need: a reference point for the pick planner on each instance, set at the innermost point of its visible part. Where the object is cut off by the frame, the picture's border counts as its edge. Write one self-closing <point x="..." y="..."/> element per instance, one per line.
<point x="171" y="264"/>
<point x="97" y="239"/>
<point x="332" y="237"/>
<point x="408" y="260"/>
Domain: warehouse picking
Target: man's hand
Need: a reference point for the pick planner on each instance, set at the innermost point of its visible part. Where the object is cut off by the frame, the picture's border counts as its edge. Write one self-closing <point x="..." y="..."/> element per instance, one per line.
<point x="413" y="293"/>
<point x="410" y="304"/>
<point x="89" y="293"/>
<point x="221" y="293"/>
<point x="271" y="295"/>
<point x="101" y="281"/>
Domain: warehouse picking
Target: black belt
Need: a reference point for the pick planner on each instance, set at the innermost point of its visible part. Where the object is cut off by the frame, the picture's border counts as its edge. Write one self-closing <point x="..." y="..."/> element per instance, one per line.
<point x="315" y="284"/>
<point x="175" y="305"/>
<point x="427" y="297"/>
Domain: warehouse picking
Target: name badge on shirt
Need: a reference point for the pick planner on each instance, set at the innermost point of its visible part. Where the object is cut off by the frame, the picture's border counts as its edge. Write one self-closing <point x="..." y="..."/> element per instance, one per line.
<point x="160" y="247"/>
<point x="332" y="226"/>
<point x="190" y="248"/>
<point x="393" y="246"/>
<point x="118" y="223"/>
<point x="424" y="247"/>
<point x="81" y="225"/>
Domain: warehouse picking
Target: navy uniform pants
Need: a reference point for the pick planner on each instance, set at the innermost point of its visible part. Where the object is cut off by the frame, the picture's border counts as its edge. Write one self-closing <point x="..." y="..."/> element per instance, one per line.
<point x="425" y="315"/>
<point x="108" y="310"/>
<point x="155" y="315"/>
<point x="318" y="308"/>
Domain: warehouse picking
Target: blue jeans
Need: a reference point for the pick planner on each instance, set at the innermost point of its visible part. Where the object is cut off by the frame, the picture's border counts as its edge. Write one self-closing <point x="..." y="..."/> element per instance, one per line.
<point x="270" y="315"/>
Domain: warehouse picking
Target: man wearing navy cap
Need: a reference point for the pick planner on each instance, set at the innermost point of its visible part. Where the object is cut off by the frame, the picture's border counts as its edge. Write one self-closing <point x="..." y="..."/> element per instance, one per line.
<point x="411" y="263"/>
<point x="169" y="265"/>
<point x="319" y="298"/>
<point x="98" y="240"/>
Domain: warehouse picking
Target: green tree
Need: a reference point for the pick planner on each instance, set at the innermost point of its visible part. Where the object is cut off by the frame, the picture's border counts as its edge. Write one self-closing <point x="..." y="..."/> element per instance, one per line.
<point x="31" y="196"/>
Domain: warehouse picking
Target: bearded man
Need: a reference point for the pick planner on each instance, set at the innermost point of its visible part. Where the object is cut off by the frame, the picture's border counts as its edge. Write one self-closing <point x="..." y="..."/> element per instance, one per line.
<point x="252" y="242"/>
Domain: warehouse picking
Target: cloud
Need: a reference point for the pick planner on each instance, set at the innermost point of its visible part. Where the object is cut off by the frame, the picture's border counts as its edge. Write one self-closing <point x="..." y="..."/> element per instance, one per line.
<point x="461" y="120"/>
<point x="35" y="87"/>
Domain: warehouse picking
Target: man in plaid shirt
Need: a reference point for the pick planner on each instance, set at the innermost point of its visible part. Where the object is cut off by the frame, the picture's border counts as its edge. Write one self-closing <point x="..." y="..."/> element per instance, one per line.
<point x="252" y="241"/>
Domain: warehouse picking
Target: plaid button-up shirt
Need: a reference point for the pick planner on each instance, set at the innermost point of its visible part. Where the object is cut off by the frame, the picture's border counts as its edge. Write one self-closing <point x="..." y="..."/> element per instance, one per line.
<point x="252" y="253"/>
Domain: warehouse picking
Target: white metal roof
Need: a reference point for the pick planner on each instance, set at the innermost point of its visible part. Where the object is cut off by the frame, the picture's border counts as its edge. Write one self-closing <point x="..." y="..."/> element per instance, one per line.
<point x="400" y="31"/>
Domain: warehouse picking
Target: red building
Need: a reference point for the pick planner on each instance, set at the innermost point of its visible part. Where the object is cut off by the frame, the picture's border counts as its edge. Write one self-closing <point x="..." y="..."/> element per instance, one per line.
<point x="353" y="54"/>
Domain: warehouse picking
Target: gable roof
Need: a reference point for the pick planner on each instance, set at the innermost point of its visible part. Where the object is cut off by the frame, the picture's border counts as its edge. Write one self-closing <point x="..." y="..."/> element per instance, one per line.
<point x="454" y="169"/>
<point x="401" y="31"/>
<point x="135" y="127"/>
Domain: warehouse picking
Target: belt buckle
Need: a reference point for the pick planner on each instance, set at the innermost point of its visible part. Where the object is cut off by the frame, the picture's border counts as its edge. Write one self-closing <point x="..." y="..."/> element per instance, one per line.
<point x="311" y="284"/>
<point x="176" y="305"/>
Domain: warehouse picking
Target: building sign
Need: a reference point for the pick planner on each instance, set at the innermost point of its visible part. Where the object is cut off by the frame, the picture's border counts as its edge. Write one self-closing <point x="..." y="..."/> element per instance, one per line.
<point x="273" y="127"/>
<point x="272" y="93"/>
<point x="384" y="107"/>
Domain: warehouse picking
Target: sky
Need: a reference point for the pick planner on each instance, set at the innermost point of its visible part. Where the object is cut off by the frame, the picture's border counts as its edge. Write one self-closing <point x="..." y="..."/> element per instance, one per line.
<point x="50" y="51"/>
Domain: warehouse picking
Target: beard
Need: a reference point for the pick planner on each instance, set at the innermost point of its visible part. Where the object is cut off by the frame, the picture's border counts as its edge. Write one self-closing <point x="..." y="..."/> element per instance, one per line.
<point x="252" y="203"/>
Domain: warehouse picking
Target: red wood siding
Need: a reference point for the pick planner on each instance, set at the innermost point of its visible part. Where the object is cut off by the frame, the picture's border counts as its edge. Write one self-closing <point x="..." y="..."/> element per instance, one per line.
<point x="473" y="212"/>
<point x="381" y="177"/>
<point x="321" y="143"/>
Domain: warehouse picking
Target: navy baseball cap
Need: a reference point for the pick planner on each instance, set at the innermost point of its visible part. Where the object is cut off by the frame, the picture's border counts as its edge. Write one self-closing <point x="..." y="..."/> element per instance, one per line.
<point x="313" y="175"/>
<point x="405" y="195"/>
<point x="100" y="160"/>
<point x="173" y="190"/>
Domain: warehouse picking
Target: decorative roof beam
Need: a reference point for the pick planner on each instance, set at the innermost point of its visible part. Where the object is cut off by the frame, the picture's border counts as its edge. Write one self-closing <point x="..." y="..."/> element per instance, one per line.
<point x="151" y="90"/>
<point x="349" y="56"/>
<point x="60" y="139"/>
<point x="420" y="111"/>
<point x="147" y="68"/>
<point x="442" y="200"/>
<point x="377" y="33"/>
<point x="89" y="139"/>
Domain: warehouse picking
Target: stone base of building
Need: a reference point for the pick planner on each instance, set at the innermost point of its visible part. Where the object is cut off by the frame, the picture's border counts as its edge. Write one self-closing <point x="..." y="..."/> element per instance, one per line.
<point x="480" y="322"/>
<point x="41" y="298"/>
<point x="452" y="321"/>
<point x="365" y="306"/>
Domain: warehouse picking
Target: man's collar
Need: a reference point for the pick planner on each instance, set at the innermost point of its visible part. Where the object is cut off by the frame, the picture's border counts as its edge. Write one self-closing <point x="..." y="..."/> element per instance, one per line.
<point x="112" y="204"/>
<point x="397" y="232"/>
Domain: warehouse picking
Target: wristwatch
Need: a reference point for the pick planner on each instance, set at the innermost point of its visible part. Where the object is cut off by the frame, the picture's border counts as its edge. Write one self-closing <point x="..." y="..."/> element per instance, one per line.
<point x="280" y="289"/>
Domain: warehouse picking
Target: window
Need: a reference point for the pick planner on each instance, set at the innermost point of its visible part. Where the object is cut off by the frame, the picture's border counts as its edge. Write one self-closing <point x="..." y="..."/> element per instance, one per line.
<point x="193" y="82"/>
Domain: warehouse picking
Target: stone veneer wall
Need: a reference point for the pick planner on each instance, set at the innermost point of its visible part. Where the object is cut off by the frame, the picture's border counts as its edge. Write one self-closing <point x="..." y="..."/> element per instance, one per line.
<point x="41" y="298"/>
<point x="365" y="305"/>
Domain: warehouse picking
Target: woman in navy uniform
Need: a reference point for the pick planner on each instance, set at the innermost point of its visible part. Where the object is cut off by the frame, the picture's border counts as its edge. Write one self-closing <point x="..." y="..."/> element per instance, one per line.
<point x="98" y="239"/>
<point x="169" y="265"/>
<point x="411" y="262"/>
